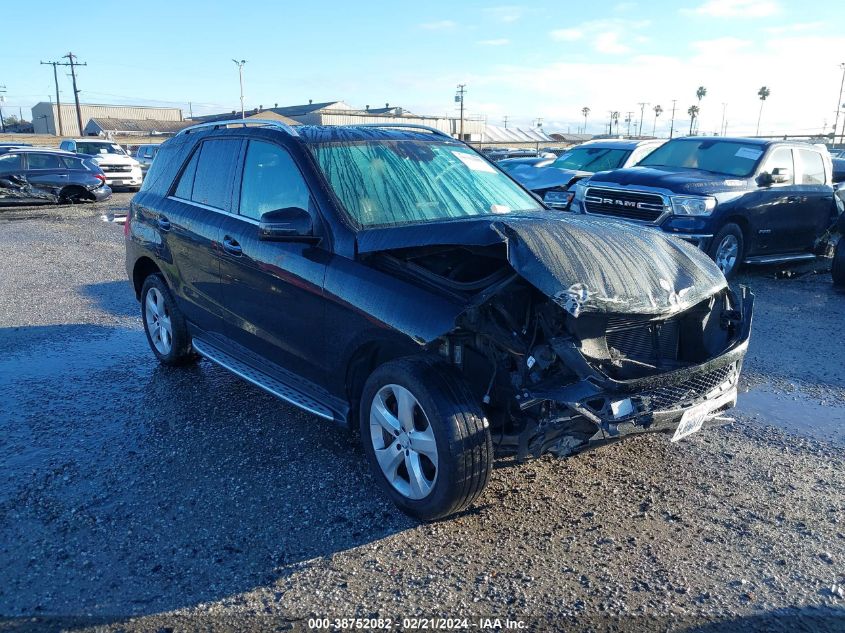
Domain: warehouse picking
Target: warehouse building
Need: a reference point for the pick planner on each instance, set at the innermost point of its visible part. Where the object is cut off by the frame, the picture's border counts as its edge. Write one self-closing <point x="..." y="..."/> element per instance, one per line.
<point x="341" y="113"/>
<point x="45" y="116"/>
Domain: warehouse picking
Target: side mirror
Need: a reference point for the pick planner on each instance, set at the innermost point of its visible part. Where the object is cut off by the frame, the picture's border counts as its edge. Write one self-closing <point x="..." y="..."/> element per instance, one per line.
<point x="288" y="224"/>
<point x="780" y="175"/>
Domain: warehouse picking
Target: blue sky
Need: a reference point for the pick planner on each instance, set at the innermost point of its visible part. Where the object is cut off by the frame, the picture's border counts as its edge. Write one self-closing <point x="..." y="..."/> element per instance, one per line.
<point x="544" y="59"/>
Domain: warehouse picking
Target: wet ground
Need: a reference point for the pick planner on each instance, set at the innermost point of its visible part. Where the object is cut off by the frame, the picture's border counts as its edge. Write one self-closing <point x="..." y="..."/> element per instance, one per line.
<point x="134" y="496"/>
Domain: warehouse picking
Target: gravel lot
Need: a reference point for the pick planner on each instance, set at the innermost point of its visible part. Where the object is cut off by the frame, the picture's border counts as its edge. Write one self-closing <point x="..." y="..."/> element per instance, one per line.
<point x="138" y="497"/>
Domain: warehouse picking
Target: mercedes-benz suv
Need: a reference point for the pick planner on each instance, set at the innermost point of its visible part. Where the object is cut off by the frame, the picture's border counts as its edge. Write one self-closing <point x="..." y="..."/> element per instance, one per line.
<point x="392" y="279"/>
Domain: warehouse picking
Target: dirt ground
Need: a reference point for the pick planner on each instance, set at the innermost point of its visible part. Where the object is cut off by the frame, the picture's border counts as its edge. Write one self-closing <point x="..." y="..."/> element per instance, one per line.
<point x="135" y="497"/>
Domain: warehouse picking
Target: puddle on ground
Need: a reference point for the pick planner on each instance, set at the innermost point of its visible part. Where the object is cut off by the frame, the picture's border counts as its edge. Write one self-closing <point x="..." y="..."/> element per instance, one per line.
<point x="796" y="411"/>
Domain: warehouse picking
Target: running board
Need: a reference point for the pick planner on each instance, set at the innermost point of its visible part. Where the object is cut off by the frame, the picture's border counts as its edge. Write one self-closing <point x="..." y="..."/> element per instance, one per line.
<point x="263" y="380"/>
<point x="778" y="259"/>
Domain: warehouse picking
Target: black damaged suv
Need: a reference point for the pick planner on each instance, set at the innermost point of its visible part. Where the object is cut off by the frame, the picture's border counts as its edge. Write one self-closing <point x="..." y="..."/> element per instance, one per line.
<point x="393" y="279"/>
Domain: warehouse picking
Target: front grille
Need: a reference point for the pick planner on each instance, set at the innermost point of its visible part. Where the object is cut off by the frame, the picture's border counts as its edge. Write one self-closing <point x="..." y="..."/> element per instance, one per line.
<point x="112" y="169"/>
<point x="644" y="341"/>
<point x="687" y="392"/>
<point x="645" y="207"/>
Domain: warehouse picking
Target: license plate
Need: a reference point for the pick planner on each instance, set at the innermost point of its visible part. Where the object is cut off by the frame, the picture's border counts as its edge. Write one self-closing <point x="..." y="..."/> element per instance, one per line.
<point x="117" y="182"/>
<point x="693" y="419"/>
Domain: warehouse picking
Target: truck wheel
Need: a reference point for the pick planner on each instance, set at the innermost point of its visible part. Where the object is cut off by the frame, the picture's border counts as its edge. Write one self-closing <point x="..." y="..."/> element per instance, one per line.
<point x="837" y="269"/>
<point x="425" y="437"/>
<point x="164" y="324"/>
<point x="728" y="249"/>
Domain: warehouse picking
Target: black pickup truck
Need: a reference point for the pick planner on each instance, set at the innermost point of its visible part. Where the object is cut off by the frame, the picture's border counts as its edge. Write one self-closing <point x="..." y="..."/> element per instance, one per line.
<point x="740" y="200"/>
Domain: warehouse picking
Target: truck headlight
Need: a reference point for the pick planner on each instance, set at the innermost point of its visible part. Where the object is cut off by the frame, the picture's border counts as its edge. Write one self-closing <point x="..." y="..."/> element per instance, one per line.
<point x="693" y="205"/>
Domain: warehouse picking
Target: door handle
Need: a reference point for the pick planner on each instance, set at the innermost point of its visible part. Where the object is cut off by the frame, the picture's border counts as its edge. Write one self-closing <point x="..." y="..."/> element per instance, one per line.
<point x="163" y="223"/>
<point x="231" y="246"/>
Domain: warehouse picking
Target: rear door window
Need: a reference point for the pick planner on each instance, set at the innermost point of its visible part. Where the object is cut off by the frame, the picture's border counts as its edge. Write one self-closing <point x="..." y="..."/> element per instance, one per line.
<point x="781" y="158"/>
<point x="186" y="181"/>
<point x="43" y="161"/>
<point x="215" y="173"/>
<point x="271" y="181"/>
<point x="812" y="167"/>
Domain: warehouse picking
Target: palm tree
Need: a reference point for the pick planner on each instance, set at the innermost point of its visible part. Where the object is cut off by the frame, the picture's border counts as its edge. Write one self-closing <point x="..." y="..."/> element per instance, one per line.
<point x="763" y="93"/>
<point x="693" y="113"/>
<point x="657" y="112"/>
<point x="700" y="93"/>
<point x="585" y="111"/>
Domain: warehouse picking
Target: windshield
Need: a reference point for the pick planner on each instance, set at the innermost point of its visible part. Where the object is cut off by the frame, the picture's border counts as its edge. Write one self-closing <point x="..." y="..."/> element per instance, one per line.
<point x="731" y="158"/>
<point x="388" y="183"/>
<point x="592" y="159"/>
<point x="99" y="148"/>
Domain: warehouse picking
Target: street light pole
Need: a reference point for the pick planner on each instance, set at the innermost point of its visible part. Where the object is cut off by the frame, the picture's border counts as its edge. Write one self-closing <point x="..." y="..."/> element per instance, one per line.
<point x="722" y="125"/>
<point x="240" y="65"/>
<point x="459" y="97"/>
<point x="839" y="105"/>
<point x="642" y="114"/>
<point x="672" y="124"/>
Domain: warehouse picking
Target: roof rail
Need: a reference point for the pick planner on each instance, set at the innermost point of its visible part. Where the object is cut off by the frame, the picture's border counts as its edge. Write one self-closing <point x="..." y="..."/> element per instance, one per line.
<point x="413" y="126"/>
<point x="244" y="122"/>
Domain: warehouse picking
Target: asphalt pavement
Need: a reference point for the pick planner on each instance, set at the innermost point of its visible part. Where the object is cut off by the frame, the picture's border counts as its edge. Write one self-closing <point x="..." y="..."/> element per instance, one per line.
<point x="133" y="496"/>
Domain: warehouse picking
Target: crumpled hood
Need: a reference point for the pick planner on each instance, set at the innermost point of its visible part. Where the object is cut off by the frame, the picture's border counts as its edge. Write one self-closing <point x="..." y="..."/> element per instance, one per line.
<point x="536" y="178"/>
<point x="676" y="180"/>
<point x="585" y="264"/>
<point x="598" y="265"/>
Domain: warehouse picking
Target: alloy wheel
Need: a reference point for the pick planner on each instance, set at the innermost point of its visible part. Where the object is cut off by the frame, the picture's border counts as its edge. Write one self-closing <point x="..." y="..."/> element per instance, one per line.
<point x="403" y="441"/>
<point x="727" y="253"/>
<point x="158" y="322"/>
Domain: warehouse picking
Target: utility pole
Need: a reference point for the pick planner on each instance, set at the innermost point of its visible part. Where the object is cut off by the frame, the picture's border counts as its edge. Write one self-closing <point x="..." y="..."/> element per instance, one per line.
<point x="73" y="63"/>
<point x="61" y="130"/>
<point x="538" y="122"/>
<point x="3" y="121"/>
<point x="240" y="65"/>
<point x="722" y="126"/>
<point x="672" y="124"/>
<point x="505" y="119"/>
<point x="628" y="120"/>
<point x="839" y="105"/>
<point x="190" y="110"/>
<point x="459" y="98"/>
<point x="642" y="114"/>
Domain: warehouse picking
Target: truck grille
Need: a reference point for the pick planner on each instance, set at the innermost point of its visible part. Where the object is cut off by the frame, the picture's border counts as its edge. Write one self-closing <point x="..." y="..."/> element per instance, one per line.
<point x="114" y="169"/>
<point x="634" y="205"/>
<point x="687" y="392"/>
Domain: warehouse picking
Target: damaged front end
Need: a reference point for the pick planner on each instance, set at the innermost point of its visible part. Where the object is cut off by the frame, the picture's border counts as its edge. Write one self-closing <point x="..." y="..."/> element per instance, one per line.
<point x="649" y="334"/>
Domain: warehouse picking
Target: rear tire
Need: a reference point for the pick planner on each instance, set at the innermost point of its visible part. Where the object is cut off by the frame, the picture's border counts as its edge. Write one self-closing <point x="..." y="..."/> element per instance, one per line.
<point x="437" y="458"/>
<point x="164" y="323"/>
<point x="728" y="249"/>
<point x="837" y="269"/>
<point x="72" y="195"/>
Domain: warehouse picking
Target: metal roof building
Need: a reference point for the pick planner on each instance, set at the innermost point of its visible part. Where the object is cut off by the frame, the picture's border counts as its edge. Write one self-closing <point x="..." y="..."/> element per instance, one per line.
<point x="45" y="116"/>
<point x="133" y="127"/>
<point x="496" y="134"/>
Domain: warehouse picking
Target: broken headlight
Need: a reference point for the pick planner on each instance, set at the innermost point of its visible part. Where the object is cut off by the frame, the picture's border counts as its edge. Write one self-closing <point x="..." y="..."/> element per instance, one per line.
<point x="693" y="205"/>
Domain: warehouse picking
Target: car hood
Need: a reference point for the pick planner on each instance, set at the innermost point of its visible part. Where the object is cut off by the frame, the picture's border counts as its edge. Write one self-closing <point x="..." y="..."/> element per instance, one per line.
<point x="537" y="178"/>
<point x="675" y="180"/>
<point x="584" y="264"/>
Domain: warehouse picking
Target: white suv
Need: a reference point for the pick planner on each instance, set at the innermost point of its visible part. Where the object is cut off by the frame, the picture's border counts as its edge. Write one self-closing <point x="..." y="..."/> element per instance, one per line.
<point x="121" y="170"/>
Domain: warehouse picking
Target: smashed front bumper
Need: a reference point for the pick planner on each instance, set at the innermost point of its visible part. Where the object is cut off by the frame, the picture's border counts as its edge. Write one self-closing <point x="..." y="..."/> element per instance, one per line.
<point x="617" y="408"/>
<point x="101" y="193"/>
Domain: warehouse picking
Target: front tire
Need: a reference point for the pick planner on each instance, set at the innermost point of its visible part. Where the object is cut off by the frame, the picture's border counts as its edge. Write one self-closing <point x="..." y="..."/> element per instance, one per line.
<point x="164" y="323"/>
<point x="425" y="437"/>
<point x="728" y="249"/>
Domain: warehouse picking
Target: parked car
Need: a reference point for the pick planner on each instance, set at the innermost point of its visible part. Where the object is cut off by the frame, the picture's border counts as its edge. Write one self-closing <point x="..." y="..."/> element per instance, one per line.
<point x="498" y="154"/>
<point x="32" y="175"/>
<point x="740" y="200"/>
<point x="511" y="164"/>
<point x="145" y="155"/>
<point x="837" y="153"/>
<point x="554" y="181"/>
<point x="393" y="279"/>
<point x="121" y="170"/>
<point x="837" y="269"/>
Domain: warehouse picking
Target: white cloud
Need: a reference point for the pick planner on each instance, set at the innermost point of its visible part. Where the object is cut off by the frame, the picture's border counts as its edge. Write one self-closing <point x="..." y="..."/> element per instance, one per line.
<point x="610" y="37"/>
<point x="505" y="13"/>
<point x="799" y="27"/>
<point x="440" y="25"/>
<point x="502" y="41"/>
<point x="736" y="8"/>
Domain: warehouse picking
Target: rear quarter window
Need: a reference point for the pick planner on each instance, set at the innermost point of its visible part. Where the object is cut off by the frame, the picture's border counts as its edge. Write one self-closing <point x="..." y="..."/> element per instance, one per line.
<point x="208" y="177"/>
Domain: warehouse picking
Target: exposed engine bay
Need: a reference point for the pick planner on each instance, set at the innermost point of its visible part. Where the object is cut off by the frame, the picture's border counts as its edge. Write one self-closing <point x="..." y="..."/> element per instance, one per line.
<point x="554" y="374"/>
